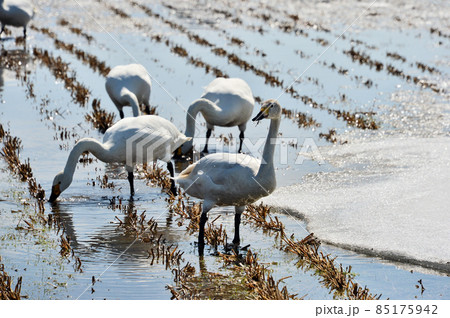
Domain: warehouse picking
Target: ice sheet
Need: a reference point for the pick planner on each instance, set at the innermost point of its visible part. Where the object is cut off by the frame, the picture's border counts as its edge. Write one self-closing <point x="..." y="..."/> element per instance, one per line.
<point x="390" y="196"/>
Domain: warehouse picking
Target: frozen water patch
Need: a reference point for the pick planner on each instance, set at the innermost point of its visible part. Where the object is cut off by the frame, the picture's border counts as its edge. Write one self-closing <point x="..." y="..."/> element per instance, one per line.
<point x="389" y="196"/>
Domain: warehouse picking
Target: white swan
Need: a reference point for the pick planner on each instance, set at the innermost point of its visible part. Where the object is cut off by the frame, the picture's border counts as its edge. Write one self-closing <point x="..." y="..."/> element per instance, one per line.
<point x="16" y="13"/>
<point x="129" y="85"/>
<point x="131" y="140"/>
<point x="234" y="179"/>
<point x="225" y="102"/>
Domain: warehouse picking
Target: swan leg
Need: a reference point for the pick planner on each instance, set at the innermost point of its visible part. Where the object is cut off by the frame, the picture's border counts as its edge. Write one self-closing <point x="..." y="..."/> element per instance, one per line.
<point x="241" y="139"/>
<point x="173" y="188"/>
<point x="131" y="179"/>
<point x="201" y="233"/>
<point x="237" y="223"/>
<point x="3" y="29"/>
<point x="121" y="114"/>
<point x="24" y="33"/>
<point x="208" y="134"/>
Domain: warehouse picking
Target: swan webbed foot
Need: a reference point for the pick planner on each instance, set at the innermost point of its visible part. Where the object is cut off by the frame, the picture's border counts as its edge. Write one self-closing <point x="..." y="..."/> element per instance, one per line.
<point x="235" y="247"/>
<point x="231" y="247"/>
<point x="245" y="248"/>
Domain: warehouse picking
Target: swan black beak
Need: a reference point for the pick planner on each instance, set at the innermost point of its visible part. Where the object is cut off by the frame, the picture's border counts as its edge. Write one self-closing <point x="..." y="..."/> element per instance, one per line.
<point x="55" y="193"/>
<point x="260" y="115"/>
<point x="178" y="154"/>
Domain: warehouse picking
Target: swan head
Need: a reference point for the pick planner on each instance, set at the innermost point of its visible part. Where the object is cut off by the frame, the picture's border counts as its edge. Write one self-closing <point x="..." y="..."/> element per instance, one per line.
<point x="270" y="109"/>
<point x="185" y="149"/>
<point x="60" y="183"/>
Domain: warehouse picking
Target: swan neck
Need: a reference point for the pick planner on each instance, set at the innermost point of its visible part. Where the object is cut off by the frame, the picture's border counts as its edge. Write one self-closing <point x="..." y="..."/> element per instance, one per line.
<point x="269" y="149"/>
<point x="132" y="100"/>
<point x="86" y="144"/>
<point x="200" y="105"/>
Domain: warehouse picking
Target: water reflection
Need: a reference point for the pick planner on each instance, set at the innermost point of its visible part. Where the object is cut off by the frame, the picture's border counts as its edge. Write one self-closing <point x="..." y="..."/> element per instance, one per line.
<point x="62" y="215"/>
<point x="105" y="235"/>
<point x="13" y="61"/>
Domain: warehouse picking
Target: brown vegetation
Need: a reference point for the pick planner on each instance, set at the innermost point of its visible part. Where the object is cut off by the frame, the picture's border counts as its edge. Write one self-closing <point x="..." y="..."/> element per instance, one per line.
<point x="363" y="58"/>
<point x="100" y="118"/>
<point x="89" y="59"/>
<point x="59" y="69"/>
<point x="7" y="291"/>
<point x="302" y="119"/>
<point x="75" y="30"/>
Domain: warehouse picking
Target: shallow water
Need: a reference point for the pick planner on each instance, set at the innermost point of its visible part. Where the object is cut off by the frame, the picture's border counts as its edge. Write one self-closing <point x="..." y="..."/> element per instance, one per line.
<point x="403" y="110"/>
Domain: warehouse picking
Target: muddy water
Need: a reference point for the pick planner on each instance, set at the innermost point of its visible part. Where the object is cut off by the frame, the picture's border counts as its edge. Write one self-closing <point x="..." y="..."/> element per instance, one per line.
<point x="336" y="82"/>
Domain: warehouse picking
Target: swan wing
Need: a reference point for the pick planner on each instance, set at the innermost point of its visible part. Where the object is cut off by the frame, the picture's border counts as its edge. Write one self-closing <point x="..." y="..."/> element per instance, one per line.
<point x="145" y="138"/>
<point x="123" y="79"/>
<point x="229" y="86"/>
<point x="233" y="99"/>
<point x="218" y="175"/>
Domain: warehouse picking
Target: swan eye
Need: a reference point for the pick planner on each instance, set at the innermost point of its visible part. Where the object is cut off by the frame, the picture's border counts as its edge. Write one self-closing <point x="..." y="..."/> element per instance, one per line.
<point x="59" y="182"/>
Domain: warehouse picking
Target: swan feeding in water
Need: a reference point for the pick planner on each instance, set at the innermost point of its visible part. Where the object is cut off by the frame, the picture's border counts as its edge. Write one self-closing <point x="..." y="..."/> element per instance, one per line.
<point x="16" y="13"/>
<point x="223" y="179"/>
<point x="225" y="102"/>
<point x="131" y="140"/>
<point x="129" y="85"/>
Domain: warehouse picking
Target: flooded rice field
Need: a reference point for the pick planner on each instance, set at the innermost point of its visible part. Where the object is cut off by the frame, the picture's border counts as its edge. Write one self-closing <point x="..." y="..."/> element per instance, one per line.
<point x="362" y="158"/>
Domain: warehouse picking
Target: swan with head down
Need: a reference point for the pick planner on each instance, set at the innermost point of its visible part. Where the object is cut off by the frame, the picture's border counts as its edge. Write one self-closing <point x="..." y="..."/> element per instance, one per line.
<point x="130" y="141"/>
<point x="129" y="85"/>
